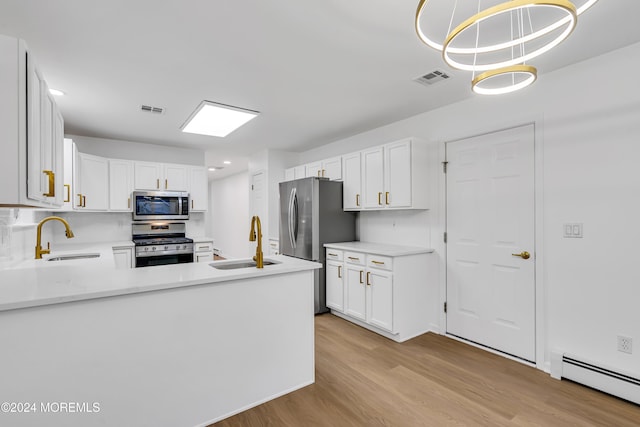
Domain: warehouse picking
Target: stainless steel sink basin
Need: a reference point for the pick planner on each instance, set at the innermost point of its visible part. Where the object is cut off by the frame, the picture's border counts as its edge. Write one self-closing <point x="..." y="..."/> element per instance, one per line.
<point x="72" y="257"/>
<point x="243" y="263"/>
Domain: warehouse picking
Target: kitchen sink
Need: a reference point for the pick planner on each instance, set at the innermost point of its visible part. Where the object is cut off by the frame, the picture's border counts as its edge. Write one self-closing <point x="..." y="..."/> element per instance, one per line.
<point x="243" y="263"/>
<point x="72" y="257"/>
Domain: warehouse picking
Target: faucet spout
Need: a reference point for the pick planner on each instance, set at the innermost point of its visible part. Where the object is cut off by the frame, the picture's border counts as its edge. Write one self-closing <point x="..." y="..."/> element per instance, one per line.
<point x="256" y="234"/>
<point x="67" y="232"/>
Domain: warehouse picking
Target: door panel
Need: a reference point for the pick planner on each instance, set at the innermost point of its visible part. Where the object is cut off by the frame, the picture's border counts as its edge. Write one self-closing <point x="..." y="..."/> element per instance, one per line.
<point x="490" y="216"/>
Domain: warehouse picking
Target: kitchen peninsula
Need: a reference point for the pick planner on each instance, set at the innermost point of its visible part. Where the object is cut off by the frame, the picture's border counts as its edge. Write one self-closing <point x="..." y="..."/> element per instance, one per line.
<point x="183" y="344"/>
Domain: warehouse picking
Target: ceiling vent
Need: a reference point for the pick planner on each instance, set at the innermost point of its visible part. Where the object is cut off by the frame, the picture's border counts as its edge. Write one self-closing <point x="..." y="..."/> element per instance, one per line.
<point x="433" y="77"/>
<point x="150" y="109"/>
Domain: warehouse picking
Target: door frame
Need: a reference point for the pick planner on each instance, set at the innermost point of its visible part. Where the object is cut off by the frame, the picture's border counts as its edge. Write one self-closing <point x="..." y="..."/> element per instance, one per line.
<point x="542" y="358"/>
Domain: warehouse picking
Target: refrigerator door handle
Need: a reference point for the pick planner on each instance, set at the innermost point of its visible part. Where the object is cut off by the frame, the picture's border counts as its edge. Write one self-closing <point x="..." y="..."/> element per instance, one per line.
<point x="295" y="217"/>
<point x="292" y="196"/>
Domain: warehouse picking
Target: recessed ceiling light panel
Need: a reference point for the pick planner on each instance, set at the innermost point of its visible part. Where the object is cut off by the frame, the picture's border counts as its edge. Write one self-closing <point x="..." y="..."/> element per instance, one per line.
<point x="56" y="92"/>
<point x="215" y="119"/>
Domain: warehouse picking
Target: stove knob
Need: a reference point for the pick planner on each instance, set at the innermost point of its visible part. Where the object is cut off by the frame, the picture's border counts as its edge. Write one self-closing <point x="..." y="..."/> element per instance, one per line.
<point x="166" y="247"/>
<point x="184" y="246"/>
<point x="177" y="247"/>
<point x="146" y="248"/>
<point x="153" y="248"/>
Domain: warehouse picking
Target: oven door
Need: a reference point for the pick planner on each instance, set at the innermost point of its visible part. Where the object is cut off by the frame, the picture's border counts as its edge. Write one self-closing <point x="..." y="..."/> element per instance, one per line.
<point x="163" y="260"/>
<point x="160" y="205"/>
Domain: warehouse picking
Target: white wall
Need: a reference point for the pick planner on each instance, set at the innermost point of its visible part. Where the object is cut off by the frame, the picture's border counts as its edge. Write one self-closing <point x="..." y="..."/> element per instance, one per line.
<point x="588" y="120"/>
<point x="130" y="150"/>
<point x="18" y="234"/>
<point x="229" y="216"/>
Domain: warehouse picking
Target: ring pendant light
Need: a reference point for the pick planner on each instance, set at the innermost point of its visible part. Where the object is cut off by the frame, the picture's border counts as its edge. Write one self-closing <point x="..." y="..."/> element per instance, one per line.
<point x="502" y="8"/>
<point x="529" y="74"/>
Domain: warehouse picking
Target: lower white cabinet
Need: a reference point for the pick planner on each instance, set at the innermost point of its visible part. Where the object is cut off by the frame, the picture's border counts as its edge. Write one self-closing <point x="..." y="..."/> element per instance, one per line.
<point x="203" y="251"/>
<point x="123" y="257"/>
<point x="274" y="247"/>
<point x="384" y="293"/>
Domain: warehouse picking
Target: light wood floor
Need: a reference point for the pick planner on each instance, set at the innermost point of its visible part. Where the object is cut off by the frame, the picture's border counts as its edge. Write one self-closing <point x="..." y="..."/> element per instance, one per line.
<point x="363" y="379"/>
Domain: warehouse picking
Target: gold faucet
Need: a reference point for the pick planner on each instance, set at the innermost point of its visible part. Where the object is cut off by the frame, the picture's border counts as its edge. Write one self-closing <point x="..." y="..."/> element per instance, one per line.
<point x="259" y="258"/>
<point x="39" y="250"/>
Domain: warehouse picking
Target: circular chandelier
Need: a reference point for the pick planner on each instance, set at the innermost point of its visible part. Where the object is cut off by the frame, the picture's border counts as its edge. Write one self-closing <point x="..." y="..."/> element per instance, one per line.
<point x="496" y="37"/>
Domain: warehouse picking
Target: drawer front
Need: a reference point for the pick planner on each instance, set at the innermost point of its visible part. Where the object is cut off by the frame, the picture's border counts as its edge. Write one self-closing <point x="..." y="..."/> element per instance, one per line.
<point x="203" y="246"/>
<point x="354" y="258"/>
<point x="334" y="254"/>
<point x="379" y="261"/>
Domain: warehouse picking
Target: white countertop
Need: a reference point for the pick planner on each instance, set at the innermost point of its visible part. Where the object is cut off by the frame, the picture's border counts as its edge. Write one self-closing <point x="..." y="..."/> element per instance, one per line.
<point x="39" y="282"/>
<point x="202" y="239"/>
<point x="379" y="248"/>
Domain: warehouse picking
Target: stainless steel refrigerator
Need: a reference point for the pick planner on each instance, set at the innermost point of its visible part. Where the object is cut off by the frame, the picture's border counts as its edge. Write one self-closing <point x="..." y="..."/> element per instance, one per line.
<point x="311" y="215"/>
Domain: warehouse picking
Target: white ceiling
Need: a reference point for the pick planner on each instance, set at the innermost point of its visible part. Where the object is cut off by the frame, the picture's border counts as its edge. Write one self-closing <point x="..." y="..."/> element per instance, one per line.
<point x="317" y="70"/>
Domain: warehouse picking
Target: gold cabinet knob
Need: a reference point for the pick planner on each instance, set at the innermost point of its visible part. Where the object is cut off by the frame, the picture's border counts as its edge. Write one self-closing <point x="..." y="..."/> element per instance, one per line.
<point x="523" y="255"/>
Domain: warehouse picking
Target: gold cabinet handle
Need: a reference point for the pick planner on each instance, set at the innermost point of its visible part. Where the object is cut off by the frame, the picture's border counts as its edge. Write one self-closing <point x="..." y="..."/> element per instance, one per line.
<point x="523" y="255"/>
<point x="380" y="198"/>
<point x="377" y="262"/>
<point x="84" y="201"/>
<point x="323" y="173"/>
<point x="129" y="203"/>
<point x="339" y="272"/>
<point x="353" y="258"/>
<point x="319" y="173"/>
<point x="361" y="272"/>
<point x="368" y="278"/>
<point x="166" y="184"/>
<point x="386" y="197"/>
<point x="79" y="200"/>
<point x="158" y="183"/>
<point x="52" y="183"/>
<point x="191" y="203"/>
<point x="332" y="254"/>
<point x="357" y="200"/>
<point x="67" y="198"/>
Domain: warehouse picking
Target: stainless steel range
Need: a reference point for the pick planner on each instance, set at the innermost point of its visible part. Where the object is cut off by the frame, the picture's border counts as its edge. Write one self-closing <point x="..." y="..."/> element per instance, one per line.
<point x="159" y="243"/>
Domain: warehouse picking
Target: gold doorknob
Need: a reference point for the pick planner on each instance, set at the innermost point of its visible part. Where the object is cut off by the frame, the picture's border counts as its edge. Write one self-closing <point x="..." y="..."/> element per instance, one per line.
<point x="523" y="255"/>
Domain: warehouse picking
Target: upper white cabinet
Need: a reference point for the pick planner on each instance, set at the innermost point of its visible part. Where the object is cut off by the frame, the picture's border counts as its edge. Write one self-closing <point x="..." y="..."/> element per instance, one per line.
<point x="296" y="172"/>
<point x="329" y="168"/>
<point x="67" y="182"/>
<point x="198" y="189"/>
<point x="391" y="176"/>
<point x="91" y="182"/>
<point x="158" y="176"/>
<point x="120" y="185"/>
<point x="31" y="132"/>
<point x="352" y="182"/>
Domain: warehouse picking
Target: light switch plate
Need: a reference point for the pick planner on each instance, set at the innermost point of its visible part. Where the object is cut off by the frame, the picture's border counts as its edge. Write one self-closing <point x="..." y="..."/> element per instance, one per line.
<point x="572" y="230"/>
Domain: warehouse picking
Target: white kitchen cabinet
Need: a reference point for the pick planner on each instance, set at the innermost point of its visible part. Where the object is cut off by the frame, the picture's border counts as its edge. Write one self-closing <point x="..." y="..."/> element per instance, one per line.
<point x="91" y="181"/>
<point x="203" y="251"/>
<point x="274" y="247"/>
<point x="329" y="168"/>
<point x="335" y="285"/>
<point x="352" y="182"/>
<point x="123" y="257"/>
<point x="198" y="189"/>
<point x="160" y="176"/>
<point x="372" y="178"/>
<point x="289" y="174"/>
<point x="295" y="172"/>
<point x="68" y="175"/>
<point x="381" y="292"/>
<point x="120" y="185"/>
<point x="31" y="130"/>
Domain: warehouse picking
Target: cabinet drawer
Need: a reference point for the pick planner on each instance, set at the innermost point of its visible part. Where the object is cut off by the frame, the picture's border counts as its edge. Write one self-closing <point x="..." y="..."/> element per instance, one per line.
<point x="354" y="258"/>
<point x="379" y="261"/>
<point x="334" y="254"/>
<point x="203" y="246"/>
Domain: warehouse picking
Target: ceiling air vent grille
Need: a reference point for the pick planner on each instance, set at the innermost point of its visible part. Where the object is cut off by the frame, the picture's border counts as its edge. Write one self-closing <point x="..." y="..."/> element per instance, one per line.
<point x="433" y="77"/>
<point x="150" y="109"/>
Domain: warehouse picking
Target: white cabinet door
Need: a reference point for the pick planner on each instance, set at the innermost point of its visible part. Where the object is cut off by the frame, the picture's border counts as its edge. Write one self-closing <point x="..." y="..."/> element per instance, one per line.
<point x="175" y="178"/>
<point x="123" y="257"/>
<point x="380" y="299"/>
<point x="198" y="189"/>
<point x="397" y="174"/>
<point x="299" y="172"/>
<point x="92" y="183"/>
<point x="352" y="179"/>
<point x="147" y="176"/>
<point x="372" y="178"/>
<point x="68" y="175"/>
<point x="204" y="257"/>
<point x="355" y="305"/>
<point x="120" y="185"/>
<point x="313" y="169"/>
<point x="335" y="285"/>
<point x="332" y="168"/>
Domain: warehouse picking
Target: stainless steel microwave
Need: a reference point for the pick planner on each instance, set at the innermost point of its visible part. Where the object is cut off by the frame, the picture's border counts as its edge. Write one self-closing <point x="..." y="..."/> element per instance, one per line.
<point x="160" y="205"/>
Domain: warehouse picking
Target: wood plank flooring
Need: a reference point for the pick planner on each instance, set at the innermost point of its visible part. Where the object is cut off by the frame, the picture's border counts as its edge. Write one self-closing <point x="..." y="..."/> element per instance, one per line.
<point x="363" y="379"/>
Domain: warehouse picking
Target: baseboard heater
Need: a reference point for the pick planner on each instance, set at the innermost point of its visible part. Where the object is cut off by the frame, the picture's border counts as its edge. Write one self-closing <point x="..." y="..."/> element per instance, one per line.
<point x="598" y="377"/>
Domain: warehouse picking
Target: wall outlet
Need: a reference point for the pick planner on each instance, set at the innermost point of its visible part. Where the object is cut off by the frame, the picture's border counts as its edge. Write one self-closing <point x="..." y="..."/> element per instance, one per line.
<point x="625" y="344"/>
<point x="572" y="230"/>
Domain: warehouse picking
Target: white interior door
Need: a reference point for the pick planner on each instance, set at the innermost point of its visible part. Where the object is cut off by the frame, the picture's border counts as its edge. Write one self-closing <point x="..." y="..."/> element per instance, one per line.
<point x="490" y="224"/>
<point x="258" y="201"/>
